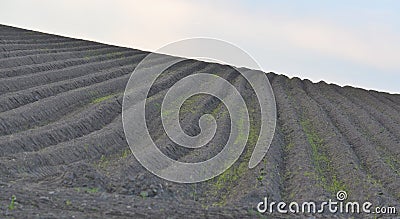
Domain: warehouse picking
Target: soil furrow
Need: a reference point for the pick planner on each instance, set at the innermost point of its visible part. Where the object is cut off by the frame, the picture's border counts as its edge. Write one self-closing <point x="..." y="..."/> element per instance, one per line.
<point x="33" y="41"/>
<point x="387" y="101"/>
<point x="189" y="119"/>
<point x="49" y="39"/>
<point x="72" y="43"/>
<point x="381" y="128"/>
<point x="59" y="65"/>
<point x="382" y="113"/>
<point x="298" y="161"/>
<point x="63" y="146"/>
<point x="377" y="101"/>
<point x="50" y="109"/>
<point x="105" y="141"/>
<point x="89" y="120"/>
<point x="395" y="98"/>
<point x="62" y="130"/>
<point x="32" y="80"/>
<point x="239" y="184"/>
<point x="45" y="58"/>
<point x="371" y="168"/>
<point x="23" y="33"/>
<point x="21" y="53"/>
<point x="19" y="98"/>
<point x="46" y="168"/>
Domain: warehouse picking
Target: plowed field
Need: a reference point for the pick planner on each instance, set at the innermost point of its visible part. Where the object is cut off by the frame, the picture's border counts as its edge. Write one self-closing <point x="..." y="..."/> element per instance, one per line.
<point x="63" y="151"/>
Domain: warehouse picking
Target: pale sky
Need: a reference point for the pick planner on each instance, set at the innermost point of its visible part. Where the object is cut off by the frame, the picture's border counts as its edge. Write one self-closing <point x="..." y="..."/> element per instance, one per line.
<point x="353" y="43"/>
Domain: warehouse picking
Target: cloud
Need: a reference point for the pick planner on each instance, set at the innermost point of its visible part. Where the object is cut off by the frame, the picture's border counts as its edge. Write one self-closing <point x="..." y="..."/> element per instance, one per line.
<point x="378" y="48"/>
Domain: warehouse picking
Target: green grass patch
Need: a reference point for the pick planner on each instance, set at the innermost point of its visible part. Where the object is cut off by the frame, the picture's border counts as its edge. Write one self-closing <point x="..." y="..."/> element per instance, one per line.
<point x="68" y="203"/>
<point x="11" y="206"/>
<point x="92" y="190"/>
<point x="393" y="164"/>
<point x="104" y="162"/>
<point x="144" y="194"/>
<point x="191" y="104"/>
<point x="126" y="153"/>
<point x="114" y="54"/>
<point x="229" y="178"/>
<point x="288" y="147"/>
<point x="101" y="99"/>
<point x="324" y="168"/>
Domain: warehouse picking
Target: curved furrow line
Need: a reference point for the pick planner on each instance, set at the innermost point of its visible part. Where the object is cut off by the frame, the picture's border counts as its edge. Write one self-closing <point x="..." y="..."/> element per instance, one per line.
<point x="373" y="101"/>
<point x="377" y="142"/>
<point x="350" y="176"/>
<point x="53" y="108"/>
<point x="91" y="143"/>
<point x="40" y="173"/>
<point x="60" y="56"/>
<point x="189" y="120"/>
<point x="52" y="167"/>
<point x="32" y="80"/>
<point x="22" y="161"/>
<point x="369" y="171"/>
<point x="93" y="118"/>
<point x="154" y="101"/>
<point x="72" y="43"/>
<point x="34" y="41"/>
<point x="34" y="36"/>
<point x="21" y="53"/>
<point x="63" y="129"/>
<point x="204" y="103"/>
<point x="177" y="72"/>
<point x="108" y="140"/>
<point x="382" y="125"/>
<point x="39" y="113"/>
<point x="17" y="99"/>
<point x="379" y="112"/>
<point x="395" y="98"/>
<point x="275" y="166"/>
<point x="49" y="40"/>
<point x="22" y="33"/>
<point x="387" y="101"/>
<point x="271" y="172"/>
<point x="265" y="180"/>
<point x="214" y="189"/>
<point x="59" y="65"/>
<point x="297" y="159"/>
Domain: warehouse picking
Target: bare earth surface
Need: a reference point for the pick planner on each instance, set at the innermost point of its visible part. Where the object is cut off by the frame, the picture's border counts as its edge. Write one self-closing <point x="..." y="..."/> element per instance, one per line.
<point x="63" y="152"/>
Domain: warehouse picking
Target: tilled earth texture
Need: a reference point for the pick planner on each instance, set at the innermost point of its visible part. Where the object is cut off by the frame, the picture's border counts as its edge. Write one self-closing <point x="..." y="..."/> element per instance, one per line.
<point x="63" y="152"/>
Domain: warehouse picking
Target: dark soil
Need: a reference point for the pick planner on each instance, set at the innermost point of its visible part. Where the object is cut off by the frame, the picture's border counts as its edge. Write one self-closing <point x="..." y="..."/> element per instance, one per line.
<point x="63" y="152"/>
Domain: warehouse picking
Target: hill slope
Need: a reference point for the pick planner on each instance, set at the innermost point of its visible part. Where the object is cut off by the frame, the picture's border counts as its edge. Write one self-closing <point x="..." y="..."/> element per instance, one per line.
<point x="63" y="149"/>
